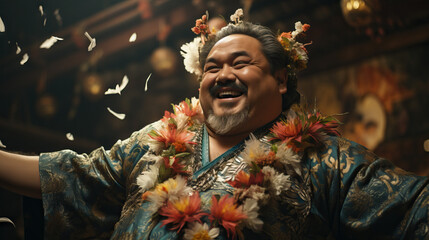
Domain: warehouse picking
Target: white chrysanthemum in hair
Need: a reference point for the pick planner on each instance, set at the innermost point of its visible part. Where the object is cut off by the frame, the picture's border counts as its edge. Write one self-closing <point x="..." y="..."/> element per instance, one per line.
<point x="237" y="15"/>
<point x="298" y="29"/>
<point x="190" y="52"/>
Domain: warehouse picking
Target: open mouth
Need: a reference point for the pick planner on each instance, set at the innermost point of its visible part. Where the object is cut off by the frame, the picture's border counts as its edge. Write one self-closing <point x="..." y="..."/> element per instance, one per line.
<point x="228" y="94"/>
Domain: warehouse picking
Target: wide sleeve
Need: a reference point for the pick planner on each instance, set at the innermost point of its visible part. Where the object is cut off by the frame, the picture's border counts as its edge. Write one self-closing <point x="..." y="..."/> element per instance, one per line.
<point x="362" y="196"/>
<point x="83" y="194"/>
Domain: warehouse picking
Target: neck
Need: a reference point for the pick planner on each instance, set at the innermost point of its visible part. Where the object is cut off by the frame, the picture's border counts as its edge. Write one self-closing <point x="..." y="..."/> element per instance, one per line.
<point x="218" y="144"/>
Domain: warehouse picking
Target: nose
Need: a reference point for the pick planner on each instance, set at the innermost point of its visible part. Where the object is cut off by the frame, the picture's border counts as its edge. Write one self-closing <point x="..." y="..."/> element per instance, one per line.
<point x="225" y="74"/>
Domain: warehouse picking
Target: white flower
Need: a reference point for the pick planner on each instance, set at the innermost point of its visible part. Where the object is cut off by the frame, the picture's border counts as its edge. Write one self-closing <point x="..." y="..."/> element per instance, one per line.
<point x="181" y="120"/>
<point x="197" y="230"/>
<point x="195" y="103"/>
<point x="191" y="59"/>
<point x="278" y="181"/>
<point x="171" y="190"/>
<point x="298" y="29"/>
<point x="289" y="158"/>
<point x="147" y="179"/>
<point x="251" y="208"/>
<point x="254" y="150"/>
<point x="254" y="191"/>
<point x="237" y="15"/>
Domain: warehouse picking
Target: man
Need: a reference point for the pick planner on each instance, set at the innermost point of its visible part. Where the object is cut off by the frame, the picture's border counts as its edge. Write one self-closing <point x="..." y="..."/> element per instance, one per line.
<point x="254" y="168"/>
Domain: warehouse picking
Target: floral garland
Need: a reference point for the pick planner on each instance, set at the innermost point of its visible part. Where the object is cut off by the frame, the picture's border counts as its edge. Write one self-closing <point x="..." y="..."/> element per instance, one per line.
<point x="271" y="166"/>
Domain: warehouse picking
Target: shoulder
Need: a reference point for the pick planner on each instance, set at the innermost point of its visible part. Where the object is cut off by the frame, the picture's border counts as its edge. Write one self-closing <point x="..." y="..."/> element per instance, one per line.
<point x="336" y="148"/>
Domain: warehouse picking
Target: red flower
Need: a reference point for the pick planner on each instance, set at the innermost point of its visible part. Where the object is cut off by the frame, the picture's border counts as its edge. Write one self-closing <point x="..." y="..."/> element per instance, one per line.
<point x="176" y="166"/>
<point x="245" y="180"/>
<point x="317" y="126"/>
<point x="286" y="131"/>
<point x="171" y="135"/>
<point x="226" y="213"/>
<point x="186" y="108"/>
<point x="178" y="213"/>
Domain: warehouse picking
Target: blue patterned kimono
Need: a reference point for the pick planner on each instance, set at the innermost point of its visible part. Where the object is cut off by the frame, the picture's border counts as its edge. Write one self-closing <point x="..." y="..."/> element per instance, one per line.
<point x="344" y="192"/>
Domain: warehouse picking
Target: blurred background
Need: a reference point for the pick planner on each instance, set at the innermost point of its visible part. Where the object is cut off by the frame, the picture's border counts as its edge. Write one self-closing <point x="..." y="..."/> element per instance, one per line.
<point x="368" y="63"/>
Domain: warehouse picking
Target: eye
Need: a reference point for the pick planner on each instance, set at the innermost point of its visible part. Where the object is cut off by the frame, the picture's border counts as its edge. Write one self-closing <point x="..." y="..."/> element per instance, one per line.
<point x="241" y="63"/>
<point x="211" y="68"/>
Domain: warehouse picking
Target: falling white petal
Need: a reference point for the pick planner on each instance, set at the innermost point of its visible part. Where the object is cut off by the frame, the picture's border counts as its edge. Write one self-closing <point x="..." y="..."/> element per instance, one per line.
<point x="92" y="43"/>
<point x="50" y="41"/>
<point x="41" y="10"/>
<point x="2" y="27"/>
<point x="118" y="115"/>
<point x="147" y="80"/>
<point x="18" y="49"/>
<point x="58" y="17"/>
<point x="133" y="37"/>
<point x="2" y="145"/>
<point x="70" y="136"/>
<point x="6" y="220"/>
<point x="24" y="59"/>
<point x="118" y="88"/>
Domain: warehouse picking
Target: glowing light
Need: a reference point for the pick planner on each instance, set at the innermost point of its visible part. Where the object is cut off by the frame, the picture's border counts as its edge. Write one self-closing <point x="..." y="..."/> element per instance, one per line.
<point x="426" y="145"/>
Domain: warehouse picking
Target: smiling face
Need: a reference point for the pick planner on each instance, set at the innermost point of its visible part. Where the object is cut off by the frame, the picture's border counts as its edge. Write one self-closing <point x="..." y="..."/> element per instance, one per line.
<point x="237" y="84"/>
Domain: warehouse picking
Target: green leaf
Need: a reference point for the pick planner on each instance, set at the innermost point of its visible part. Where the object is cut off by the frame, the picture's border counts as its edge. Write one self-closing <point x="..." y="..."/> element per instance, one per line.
<point x="183" y="154"/>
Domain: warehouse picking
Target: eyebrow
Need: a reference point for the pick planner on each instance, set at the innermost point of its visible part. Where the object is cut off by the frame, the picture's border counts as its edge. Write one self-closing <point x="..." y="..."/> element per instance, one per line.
<point x="234" y="55"/>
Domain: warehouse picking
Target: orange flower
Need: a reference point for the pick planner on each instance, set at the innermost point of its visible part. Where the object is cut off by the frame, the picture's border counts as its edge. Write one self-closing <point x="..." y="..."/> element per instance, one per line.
<point x="287" y="130"/>
<point x="317" y="126"/>
<point x="171" y="135"/>
<point x="245" y="180"/>
<point x="266" y="160"/>
<point x="178" y="213"/>
<point x="167" y="116"/>
<point x="305" y="27"/>
<point x="226" y="213"/>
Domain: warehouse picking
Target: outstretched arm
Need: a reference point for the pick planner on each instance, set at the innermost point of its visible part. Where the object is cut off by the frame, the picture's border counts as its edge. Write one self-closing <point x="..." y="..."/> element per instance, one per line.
<point x="20" y="174"/>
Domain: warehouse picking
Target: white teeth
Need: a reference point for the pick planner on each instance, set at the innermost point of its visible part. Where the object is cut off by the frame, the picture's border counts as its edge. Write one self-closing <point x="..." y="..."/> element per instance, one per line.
<point x="229" y="94"/>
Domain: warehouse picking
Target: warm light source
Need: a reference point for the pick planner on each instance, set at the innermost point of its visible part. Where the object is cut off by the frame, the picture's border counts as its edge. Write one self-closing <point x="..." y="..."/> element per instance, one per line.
<point x="358" y="13"/>
<point x="426" y="145"/>
<point x="164" y="61"/>
<point x="46" y="106"/>
<point x="93" y="86"/>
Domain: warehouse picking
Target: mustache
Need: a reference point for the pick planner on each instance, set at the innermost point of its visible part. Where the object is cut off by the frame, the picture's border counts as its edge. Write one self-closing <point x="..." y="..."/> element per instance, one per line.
<point x="232" y="85"/>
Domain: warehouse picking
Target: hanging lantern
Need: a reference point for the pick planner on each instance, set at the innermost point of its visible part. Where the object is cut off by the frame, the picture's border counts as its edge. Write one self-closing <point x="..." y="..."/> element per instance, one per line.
<point x="358" y="13"/>
<point x="164" y="61"/>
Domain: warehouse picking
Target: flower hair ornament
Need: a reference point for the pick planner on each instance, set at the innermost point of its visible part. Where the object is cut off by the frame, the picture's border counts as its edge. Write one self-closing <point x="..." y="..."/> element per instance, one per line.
<point x="296" y="51"/>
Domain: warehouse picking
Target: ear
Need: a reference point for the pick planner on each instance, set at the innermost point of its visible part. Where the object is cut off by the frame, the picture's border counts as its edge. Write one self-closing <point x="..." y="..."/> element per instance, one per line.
<point x="281" y="77"/>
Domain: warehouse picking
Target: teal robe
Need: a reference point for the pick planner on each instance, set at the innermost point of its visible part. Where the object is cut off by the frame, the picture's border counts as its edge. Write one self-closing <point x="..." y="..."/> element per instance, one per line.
<point x="344" y="192"/>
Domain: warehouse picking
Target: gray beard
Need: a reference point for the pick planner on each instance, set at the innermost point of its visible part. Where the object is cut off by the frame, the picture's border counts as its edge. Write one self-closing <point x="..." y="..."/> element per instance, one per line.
<point x="225" y="123"/>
